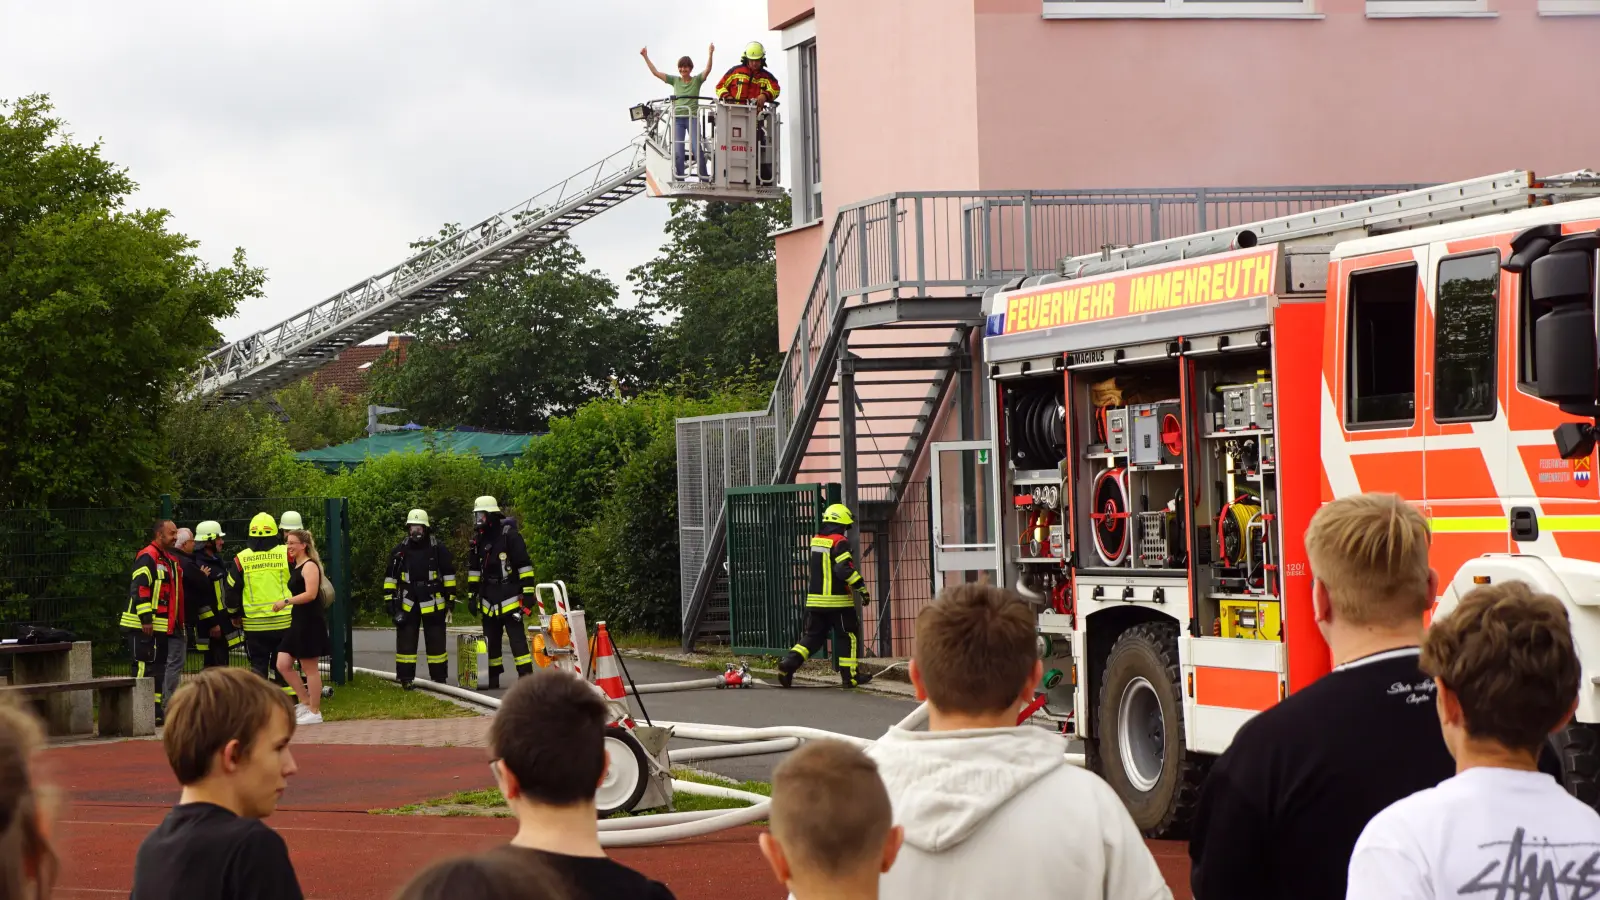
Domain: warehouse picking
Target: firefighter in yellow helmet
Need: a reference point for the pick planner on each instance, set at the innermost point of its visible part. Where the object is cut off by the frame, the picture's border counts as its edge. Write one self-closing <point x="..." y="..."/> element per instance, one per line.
<point x="258" y="579"/>
<point x="418" y="586"/>
<point x="500" y="575"/>
<point x="829" y="604"/>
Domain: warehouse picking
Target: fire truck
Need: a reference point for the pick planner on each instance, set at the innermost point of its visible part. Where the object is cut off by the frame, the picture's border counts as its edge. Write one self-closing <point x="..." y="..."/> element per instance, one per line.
<point x="1167" y="417"/>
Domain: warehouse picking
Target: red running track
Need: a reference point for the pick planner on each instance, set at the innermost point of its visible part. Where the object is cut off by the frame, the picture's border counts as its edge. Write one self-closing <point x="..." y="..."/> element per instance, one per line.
<point x="118" y="792"/>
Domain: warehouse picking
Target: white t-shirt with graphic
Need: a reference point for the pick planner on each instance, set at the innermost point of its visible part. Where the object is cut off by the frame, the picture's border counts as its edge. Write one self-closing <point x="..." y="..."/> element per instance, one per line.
<point x="1498" y="834"/>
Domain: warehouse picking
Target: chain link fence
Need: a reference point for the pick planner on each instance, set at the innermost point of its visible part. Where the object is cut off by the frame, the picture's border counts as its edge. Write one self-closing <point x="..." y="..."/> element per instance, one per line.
<point x="71" y="569"/>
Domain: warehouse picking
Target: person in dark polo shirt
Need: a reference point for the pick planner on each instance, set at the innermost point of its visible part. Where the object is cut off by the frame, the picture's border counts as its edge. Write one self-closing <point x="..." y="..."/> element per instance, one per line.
<point x="1281" y="809"/>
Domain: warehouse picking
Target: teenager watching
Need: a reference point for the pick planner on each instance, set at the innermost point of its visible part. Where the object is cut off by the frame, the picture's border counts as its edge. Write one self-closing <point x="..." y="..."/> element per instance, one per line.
<point x="227" y="739"/>
<point x="547" y="743"/>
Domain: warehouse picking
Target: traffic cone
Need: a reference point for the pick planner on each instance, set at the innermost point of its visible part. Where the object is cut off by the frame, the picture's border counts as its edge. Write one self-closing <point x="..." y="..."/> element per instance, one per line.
<point x="607" y="676"/>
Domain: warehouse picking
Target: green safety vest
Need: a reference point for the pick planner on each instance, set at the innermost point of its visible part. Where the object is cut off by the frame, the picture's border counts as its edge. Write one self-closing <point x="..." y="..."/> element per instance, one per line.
<point x="266" y="581"/>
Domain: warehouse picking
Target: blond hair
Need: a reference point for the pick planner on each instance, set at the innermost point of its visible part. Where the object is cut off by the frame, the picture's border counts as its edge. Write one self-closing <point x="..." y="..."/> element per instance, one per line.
<point x="1507" y="654"/>
<point x="26" y="856"/>
<point x="218" y="705"/>
<point x="830" y="810"/>
<point x="324" y="585"/>
<point x="1371" y="550"/>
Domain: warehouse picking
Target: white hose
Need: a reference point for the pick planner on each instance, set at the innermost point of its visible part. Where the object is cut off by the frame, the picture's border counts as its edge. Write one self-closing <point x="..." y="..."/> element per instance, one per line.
<point x="660" y="820"/>
<point x="644" y="837"/>
<point x="756" y="748"/>
<point x="733" y="735"/>
<point x="662" y="687"/>
<point x="717" y="790"/>
<point x="448" y="690"/>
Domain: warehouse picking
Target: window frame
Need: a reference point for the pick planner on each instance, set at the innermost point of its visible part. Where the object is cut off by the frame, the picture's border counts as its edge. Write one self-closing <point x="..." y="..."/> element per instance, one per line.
<point x="1348" y="363"/>
<point x="810" y="175"/>
<point x="1429" y="9"/>
<point x="1494" y="343"/>
<point x="1181" y="9"/>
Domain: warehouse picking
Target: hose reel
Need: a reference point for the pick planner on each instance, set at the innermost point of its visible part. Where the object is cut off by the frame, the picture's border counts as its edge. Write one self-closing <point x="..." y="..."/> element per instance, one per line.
<point x="1110" y="516"/>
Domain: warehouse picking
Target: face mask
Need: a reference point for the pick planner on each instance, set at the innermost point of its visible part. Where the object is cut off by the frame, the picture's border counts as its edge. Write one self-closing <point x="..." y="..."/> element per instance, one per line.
<point x="482" y="519"/>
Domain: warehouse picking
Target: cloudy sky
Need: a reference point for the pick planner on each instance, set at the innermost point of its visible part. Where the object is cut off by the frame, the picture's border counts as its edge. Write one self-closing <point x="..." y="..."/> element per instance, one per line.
<point x="324" y="135"/>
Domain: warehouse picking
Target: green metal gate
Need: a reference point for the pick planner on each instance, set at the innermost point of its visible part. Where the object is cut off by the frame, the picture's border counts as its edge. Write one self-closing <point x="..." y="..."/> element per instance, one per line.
<point x="769" y="548"/>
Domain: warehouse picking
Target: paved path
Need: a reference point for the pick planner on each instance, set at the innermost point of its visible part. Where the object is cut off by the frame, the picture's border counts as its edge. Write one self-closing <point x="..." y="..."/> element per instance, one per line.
<point x="830" y="708"/>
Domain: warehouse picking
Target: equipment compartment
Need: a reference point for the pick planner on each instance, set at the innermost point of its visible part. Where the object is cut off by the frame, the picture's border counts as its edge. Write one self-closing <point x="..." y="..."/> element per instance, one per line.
<point x="1130" y="468"/>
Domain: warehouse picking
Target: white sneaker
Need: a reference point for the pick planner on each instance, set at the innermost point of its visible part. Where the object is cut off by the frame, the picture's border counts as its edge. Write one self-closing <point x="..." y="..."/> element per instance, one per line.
<point x="300" y="709"/>
<point x="310" y="718"/>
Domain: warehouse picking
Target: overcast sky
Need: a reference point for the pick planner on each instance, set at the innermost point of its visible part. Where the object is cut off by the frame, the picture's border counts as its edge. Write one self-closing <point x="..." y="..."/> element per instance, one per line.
<point x="324" y="135"/>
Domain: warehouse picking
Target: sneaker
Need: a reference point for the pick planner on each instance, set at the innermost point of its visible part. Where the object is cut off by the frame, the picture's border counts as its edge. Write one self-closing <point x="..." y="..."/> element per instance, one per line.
<point x="310" y="718"/>
<point x="300" y="710"/>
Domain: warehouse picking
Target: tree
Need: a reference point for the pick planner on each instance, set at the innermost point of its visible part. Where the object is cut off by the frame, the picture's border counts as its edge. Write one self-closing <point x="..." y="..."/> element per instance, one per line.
<point x="715" y="283"/>
<point x="321" y="418"/>
<point x="224" y="450"/>
<point x="515" y="348"/>
<point x="103" y="312"/>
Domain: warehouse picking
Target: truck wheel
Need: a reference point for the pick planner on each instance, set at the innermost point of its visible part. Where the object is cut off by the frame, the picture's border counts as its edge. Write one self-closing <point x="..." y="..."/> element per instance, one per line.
<point x="1578" y="745"/>
<point x="1139" y="737"/>
<point x="627" y="773"/>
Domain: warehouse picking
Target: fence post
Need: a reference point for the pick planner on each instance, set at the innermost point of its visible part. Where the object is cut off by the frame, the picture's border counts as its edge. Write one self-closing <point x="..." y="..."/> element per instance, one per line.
<point x="340" y="618"/>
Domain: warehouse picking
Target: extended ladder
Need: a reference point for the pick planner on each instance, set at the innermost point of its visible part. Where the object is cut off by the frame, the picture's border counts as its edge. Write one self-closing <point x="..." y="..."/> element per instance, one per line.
<point x="274" y="356"/>
<point x="1460" y="200"/>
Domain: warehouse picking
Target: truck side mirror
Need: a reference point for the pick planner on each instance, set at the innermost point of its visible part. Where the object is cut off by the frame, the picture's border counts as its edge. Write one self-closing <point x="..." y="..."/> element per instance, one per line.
<point x="1565" y="339"/>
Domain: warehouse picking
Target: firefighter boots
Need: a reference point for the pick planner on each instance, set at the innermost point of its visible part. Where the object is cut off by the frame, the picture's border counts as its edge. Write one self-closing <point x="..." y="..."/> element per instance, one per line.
<point x="786" y="669"/>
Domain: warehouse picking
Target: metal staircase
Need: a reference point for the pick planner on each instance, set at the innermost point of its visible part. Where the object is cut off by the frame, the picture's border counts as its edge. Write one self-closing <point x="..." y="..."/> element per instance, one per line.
<point x="887" y="333"/>
<point x="275" y="356"/>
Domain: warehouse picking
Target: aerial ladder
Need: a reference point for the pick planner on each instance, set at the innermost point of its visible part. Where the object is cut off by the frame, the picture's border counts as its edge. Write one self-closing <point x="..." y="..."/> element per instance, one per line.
<point x="738" y="144"/>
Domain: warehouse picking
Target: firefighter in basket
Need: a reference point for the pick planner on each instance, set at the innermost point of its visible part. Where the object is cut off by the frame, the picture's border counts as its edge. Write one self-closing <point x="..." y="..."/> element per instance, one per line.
<point x="419" y="585"/>
<point x="829" y="604"/>
<point x="500" y="576"/>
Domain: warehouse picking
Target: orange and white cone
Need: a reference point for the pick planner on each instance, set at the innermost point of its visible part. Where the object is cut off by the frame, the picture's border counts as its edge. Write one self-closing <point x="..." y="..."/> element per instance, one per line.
<point x="607" y="676"/>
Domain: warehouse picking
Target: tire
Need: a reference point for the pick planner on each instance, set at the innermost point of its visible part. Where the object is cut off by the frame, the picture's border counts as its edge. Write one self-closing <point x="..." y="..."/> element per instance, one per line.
<point x="1578" y="746"/>
<point x="627" y="773"/>
<point x="1138" y="742"/>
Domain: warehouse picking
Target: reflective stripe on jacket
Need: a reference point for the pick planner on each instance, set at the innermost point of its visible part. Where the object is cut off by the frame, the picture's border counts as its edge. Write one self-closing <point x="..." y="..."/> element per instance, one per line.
<point x="833" y="573"/>
<point x="264" y="575"/>
<point x="155" y="595"/>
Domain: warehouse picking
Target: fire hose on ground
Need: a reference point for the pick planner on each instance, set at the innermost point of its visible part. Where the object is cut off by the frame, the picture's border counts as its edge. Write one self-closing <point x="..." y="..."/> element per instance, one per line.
<point x="639" y="831"/>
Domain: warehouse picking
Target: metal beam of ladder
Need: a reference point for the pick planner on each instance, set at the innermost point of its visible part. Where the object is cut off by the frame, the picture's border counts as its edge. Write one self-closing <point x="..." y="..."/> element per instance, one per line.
<point x="277" y="355"/>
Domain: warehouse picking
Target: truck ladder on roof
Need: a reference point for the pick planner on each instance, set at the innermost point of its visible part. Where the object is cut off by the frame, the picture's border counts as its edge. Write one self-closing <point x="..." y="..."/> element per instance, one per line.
<point x="1460" y="200"/>
<point x="275" y="356"/>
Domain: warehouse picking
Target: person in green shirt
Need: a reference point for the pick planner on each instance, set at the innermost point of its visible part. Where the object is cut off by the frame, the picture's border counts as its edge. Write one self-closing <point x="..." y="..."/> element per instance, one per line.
<point x="685" y="108"/>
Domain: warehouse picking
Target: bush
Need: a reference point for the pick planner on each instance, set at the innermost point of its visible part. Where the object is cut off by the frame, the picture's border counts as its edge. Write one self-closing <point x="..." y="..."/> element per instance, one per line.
<point x="628" y="557"/>
<point x="384" y="489"/>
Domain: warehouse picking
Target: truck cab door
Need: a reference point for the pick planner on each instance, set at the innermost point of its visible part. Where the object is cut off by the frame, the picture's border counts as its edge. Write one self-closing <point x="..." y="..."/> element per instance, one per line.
<point x="966" y="520"/>
<point x="1465" y="441"/>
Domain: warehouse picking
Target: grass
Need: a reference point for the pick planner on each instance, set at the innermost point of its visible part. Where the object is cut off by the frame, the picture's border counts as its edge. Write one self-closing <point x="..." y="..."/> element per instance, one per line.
<point x="491" y="804"/>
<point x="373" y="698"/>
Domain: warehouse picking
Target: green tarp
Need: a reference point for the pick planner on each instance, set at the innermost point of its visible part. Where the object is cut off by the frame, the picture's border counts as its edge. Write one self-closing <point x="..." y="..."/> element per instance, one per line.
<point x="496" y="449"/>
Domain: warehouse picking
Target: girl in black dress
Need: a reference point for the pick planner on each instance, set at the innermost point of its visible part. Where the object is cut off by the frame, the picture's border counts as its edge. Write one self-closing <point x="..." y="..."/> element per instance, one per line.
<point x="307" y="640"/>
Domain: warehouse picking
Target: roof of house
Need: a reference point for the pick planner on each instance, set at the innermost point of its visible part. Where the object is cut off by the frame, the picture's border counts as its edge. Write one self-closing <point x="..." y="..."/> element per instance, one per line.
<point x="348" y="371"/>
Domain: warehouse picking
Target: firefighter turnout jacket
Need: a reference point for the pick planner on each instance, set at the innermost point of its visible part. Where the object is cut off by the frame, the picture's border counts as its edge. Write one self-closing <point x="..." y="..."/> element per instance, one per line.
<point x="155" y="596"/>
<point x="499" y="572"/>
<point x="421" y="577"/>
<point x="203" y="594"/>
<point x="257" y="580"/>
<point x="833" y="571"/>
<point x="743" y="83"/>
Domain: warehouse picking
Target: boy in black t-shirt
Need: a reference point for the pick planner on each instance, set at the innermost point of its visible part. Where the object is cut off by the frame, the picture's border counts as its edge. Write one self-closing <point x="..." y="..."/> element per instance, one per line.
<point x="227" y="739"/>
<point x="1281" y="809"/>
<point x="548" y="745"/>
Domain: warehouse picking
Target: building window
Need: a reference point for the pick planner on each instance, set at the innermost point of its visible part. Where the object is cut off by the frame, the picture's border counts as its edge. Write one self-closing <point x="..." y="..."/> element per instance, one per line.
<point x="1569" y="7"/>
<point x="1464" y="338"/>
<point x="1381" y="348"/>
<point x="808" y="205"/>
<point x="1201" y="9"/>
<point x="1411" y="9"/>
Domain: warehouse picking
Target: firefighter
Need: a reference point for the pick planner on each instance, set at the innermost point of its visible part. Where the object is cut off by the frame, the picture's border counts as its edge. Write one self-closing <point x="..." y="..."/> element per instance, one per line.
<point x="205" y="586"/>
<point x="418" y="585"/>
<point x="752" y="82"/>
<point x="829" y="605"/>
<point x="501" y="577"/>
<point x="155" y="608"/>
<point x="257" y="580"/>
<point x="290" y="521"/>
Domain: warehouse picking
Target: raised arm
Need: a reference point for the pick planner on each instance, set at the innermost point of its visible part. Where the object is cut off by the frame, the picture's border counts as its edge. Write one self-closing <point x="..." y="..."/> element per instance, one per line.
<point x="706" y="73"/>
<point x="645" y="52"/>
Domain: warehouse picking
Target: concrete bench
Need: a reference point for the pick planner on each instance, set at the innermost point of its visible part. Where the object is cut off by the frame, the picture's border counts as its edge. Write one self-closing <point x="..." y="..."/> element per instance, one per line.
<point x="67" y="713"/>
<point x="127" y="705"/>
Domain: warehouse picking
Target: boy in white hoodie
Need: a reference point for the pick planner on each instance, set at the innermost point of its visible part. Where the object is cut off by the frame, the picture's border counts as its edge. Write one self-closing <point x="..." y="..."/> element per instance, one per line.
<point x="991" y="808"/>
